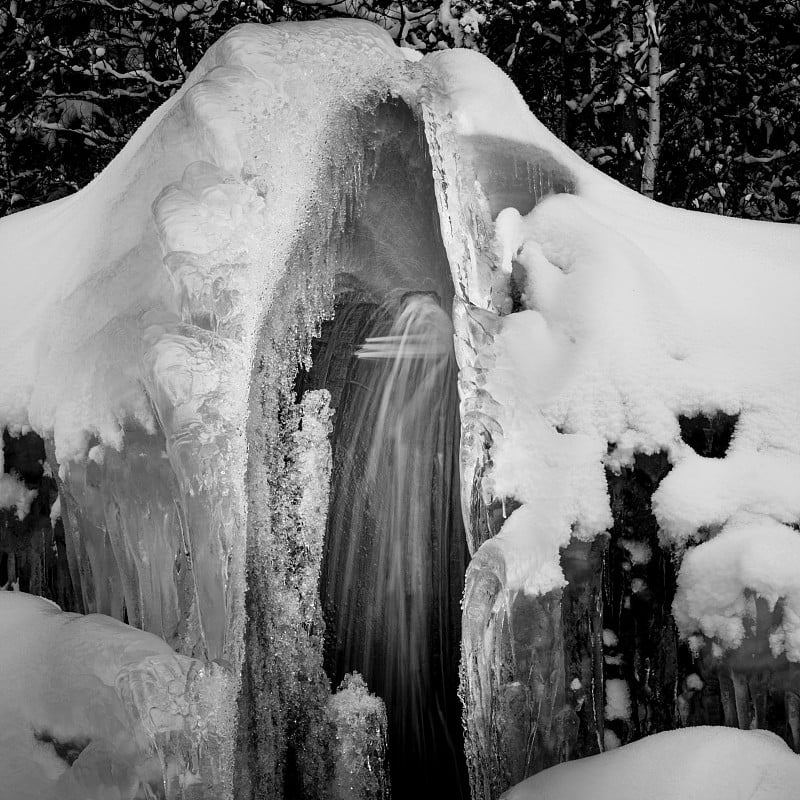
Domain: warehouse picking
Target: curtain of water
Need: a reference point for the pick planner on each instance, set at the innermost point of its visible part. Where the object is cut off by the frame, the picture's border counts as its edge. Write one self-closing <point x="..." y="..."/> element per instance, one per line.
<point x="395" y="557"/>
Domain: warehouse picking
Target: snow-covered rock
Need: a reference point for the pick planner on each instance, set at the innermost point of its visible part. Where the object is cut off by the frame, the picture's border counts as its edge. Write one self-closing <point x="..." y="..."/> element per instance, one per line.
<point x="93" y="709"/>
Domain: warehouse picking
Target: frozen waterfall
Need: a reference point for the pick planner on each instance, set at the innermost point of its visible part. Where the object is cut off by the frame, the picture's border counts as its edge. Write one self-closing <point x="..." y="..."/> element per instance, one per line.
<point x="384" y="448"/>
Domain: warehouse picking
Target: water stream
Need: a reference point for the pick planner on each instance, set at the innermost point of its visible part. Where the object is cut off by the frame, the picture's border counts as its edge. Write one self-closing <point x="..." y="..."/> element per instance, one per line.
<point x="395" y="550"/>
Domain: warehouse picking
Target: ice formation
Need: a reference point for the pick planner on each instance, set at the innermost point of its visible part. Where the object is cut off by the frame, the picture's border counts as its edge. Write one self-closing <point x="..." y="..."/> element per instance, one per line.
<point x="92" y="707"/>
<point x="152" y="338"/>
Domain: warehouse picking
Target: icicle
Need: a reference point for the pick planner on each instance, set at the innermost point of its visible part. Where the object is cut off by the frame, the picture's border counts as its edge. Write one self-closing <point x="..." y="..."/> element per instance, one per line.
<point x="792" y="700"/>
<point x="513" y="679"/>
<point x="741" y="694"/>
<point x="728" y="699"/>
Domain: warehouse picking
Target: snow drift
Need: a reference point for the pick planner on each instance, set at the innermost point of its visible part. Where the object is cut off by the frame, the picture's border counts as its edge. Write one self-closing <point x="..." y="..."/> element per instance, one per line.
<point x="713" y="763"/>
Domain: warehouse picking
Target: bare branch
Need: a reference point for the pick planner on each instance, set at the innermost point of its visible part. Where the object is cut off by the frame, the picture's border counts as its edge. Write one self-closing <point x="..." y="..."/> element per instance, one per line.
<point x="513" y="55"/>
<point x="751" y="160"/>
<point x="389" y="18"/>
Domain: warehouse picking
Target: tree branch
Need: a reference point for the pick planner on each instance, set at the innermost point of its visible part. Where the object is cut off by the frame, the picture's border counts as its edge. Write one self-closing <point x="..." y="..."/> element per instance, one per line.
<point x="95" y="136"/>
<point x="133" y="75"/>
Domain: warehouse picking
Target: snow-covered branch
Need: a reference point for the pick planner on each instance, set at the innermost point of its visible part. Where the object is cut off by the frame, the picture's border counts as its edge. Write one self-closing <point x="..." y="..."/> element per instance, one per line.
<point x="131" y="75"/>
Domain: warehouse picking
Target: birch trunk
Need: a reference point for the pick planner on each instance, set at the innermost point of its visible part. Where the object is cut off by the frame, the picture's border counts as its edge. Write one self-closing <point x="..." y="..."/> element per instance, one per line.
<point x="653" y="142"/>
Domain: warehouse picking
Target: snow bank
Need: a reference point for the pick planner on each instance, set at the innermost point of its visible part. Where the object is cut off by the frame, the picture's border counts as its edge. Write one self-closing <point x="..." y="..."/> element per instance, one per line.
<point x="712" y="763"/>
<point x="90" y="705"/>
<point x="707" y="493"/>
<point x="633" y="314"/>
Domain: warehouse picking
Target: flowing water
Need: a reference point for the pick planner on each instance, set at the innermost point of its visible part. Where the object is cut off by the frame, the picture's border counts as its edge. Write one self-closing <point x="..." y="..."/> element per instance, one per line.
<point x="395" y="553"/>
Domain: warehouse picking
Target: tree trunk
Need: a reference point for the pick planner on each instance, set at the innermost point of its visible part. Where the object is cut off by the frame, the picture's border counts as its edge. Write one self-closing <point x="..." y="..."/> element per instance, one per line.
<point x="653" y="142"/>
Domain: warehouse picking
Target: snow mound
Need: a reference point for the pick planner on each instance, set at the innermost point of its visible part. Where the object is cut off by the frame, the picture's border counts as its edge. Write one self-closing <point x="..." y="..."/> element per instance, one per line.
<point x="635" y="315"/>
<point x="14" y="494"/>
<point x="94" y="709"/>
<point x="703" y="762"/>
<point x="752" y="557"/>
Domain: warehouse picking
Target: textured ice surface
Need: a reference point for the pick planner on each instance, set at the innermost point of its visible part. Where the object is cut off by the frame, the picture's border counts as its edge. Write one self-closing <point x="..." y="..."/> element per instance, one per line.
<point x="359" y="720"/>
<point x="94" y="709"/>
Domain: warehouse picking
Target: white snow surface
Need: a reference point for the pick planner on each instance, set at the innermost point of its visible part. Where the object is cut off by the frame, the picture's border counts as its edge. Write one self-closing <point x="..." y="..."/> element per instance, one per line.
<point x="754" y="556"/>
<point x="703" y="762"/>
<point x="14" y="494"/>
<point x="618" y="699"/>
<point x="610" y="638"/>
<point x="75" y="681"/>
<point x="636" y="314"/>
<point x="711" y="492"/>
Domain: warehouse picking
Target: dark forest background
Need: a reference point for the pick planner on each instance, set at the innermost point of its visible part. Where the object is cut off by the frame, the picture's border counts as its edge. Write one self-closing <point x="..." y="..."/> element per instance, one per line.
<point x="694" y="103"/>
